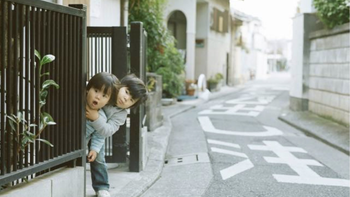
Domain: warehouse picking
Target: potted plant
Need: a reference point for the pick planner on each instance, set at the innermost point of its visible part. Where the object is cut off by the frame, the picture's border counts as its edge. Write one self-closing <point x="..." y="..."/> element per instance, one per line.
<point x="214" y="82"/>
<point x="190" y="87"/>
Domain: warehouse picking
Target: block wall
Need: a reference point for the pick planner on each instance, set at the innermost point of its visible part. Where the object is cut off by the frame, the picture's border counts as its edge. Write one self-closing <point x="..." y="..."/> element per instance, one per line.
<point x="330" y="73"/>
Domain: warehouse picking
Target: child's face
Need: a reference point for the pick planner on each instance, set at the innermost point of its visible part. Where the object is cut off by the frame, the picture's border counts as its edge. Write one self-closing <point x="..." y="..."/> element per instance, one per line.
<point x="96" y="99"/>
<point x="124" y="99"/>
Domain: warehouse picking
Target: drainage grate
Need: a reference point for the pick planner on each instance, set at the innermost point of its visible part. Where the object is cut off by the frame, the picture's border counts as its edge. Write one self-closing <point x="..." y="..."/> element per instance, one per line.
<point x="188" y="159"/>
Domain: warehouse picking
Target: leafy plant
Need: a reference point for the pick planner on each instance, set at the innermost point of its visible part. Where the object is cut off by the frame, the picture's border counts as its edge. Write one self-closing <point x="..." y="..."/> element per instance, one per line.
<point x="332" y="12"/>
<point x="219" y="76"/>
<point x="151" y="82"/>
<point x="45" y="118"/>
<point x="216" y="78"/>
<point x="162" y="56"/>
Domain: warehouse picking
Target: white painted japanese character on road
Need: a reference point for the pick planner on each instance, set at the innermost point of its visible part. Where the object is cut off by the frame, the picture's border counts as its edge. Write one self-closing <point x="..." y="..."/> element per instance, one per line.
<point x="208" y="126"/>
<point x="236" y="168"/>
<point x="301" y="166"/>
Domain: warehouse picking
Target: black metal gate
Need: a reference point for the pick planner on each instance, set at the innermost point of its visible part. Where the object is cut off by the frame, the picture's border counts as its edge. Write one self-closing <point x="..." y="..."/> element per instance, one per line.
<point x="107" y="52"/>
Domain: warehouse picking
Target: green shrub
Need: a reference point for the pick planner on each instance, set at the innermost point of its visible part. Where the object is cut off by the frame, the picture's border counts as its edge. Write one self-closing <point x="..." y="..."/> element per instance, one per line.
<point x="332" y="12"/>
<point x="162" y="56"/>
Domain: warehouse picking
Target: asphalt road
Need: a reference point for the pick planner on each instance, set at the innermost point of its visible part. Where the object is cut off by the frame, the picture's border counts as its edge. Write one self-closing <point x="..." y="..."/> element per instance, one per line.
<point x="236" y="146"/>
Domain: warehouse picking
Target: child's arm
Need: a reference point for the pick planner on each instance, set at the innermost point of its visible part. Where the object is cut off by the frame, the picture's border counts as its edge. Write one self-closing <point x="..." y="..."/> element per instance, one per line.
<point x="97" y="141"/>
<point x="115" y="118"/>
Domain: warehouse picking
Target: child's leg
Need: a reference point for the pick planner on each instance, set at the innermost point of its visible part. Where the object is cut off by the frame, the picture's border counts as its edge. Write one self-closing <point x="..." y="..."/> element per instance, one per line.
<point x="99" y="175"/>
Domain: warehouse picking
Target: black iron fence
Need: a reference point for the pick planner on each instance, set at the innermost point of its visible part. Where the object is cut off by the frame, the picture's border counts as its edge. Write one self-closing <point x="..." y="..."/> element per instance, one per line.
<point x="26" y="26"/>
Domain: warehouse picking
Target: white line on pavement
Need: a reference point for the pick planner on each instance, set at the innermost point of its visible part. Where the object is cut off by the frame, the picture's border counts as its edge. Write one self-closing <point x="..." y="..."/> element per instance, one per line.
<point x="208" y="126"/>
<point x="236" y="169"/>
<point x="228" y="152"/>
<point x="223" y="143"/>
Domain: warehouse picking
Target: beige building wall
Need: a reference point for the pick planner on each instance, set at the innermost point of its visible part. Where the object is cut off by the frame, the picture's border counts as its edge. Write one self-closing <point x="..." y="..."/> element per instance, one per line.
<point x="218" y="43"/>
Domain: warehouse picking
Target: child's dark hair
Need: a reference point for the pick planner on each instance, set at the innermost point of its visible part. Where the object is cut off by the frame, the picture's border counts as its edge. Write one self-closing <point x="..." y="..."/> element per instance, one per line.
<point x="108" y="80"/>
<point x="136" y="87"/>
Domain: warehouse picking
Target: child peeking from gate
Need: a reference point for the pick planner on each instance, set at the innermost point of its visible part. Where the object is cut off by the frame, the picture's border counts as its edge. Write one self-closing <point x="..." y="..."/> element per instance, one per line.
<point x="107" y="101"/>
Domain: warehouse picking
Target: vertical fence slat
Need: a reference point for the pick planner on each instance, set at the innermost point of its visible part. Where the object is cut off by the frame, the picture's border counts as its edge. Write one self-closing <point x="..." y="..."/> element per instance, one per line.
<point x="9" y="88"/>
<point x="42" y="27"/>
<point x="57" y="76"/>
<point x="31" y="78"/>
<point x="26" y="80"/>
<point x="15" y="36"/>
<point x="65" y="84"/>
<point x="36" y="79"/>
<point x="61" y="77"/>
<point x="82" y="77"/>
<point x="75" y="88"/>
<point x="49" y="49"/>
<point x="53" y="96"/>
<point x="95" y="52"/>
<point x="21" y="68"/>
<point x="70" y="80"/>
<point x="3" y="64"/>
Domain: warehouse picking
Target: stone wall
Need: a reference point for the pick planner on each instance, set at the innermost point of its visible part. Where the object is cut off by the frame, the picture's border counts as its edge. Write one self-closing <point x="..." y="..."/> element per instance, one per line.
<point x="330" y="73"/>
<point x="61" y="182"/>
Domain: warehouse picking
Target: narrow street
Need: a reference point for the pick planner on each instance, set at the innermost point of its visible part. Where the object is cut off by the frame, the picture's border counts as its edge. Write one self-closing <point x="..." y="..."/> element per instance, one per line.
<point x="237" y="146"/>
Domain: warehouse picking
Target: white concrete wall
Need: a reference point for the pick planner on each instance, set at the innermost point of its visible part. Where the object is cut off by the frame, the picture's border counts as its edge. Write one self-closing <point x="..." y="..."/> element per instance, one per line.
<point x="64" y="182"/>
<point x="202" y="31"/>
<point x="218" y="44"/>
<point x="306" y="6"/>
<point x="296" y="89"/>
<point x="105" y="13"/>
<point x="303" y="24"/>
<point x="262" y="66"/>
<point x="188" y="7"/>
<point x="330" y="73"/>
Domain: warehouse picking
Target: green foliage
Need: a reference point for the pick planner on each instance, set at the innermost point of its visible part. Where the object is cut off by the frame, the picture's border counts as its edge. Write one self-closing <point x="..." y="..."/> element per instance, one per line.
<point x="17" y="121"/>
<point x="216" y="78"/>
<point x="332" y="12"/>
<point x="162" y="56"/>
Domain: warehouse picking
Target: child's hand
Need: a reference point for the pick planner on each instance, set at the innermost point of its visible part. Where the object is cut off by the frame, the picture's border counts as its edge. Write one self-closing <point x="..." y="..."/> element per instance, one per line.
<point x="91" y="114"/>
<point x="92" y="156"/>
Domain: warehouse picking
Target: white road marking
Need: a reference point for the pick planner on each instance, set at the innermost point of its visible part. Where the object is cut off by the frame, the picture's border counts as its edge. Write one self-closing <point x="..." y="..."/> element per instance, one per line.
<point x="254" y="100"/>
<point x="236" y="169"/>
<point x="312" y="180"/>
<point x="223" y="143"/>
<point x="300" y="166"/>
<point x="233" y="110"/>
<point x="208" y="126"/>
<point x="309" y="162"/>
<point x="228" y="152"/>
<point x="266" y="148"/>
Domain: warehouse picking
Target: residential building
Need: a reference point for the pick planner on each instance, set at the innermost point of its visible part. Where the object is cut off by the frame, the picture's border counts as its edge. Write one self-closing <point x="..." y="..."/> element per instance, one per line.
<point x="202" y="31"/>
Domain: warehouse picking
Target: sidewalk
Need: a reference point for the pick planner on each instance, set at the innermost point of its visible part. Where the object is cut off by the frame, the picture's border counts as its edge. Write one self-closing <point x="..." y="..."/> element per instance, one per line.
<point x="322" y="129"/>
<point x="131" y="184"/>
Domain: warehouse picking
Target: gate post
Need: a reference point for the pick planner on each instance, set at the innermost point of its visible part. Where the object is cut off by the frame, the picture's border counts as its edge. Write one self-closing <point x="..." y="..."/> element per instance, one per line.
<point x="138" y="66"/>
<point x="119" y="68"/>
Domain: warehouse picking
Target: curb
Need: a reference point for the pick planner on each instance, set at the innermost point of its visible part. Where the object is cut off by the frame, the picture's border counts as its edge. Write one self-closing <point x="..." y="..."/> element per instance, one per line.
<point x="318" y="128"/>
